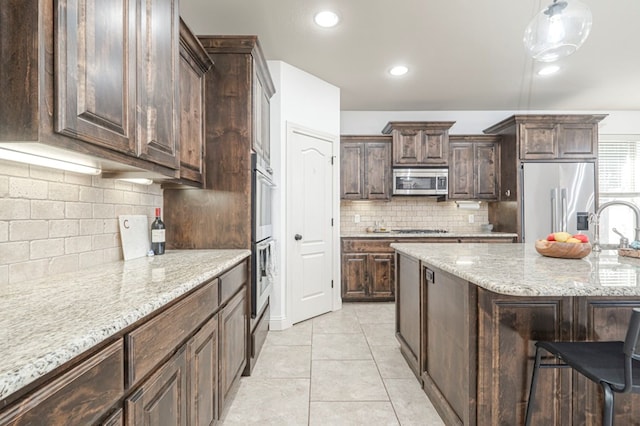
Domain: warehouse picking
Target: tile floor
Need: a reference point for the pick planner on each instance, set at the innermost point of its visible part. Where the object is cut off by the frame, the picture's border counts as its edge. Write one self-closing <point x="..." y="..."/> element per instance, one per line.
<point x="341" y="368"/>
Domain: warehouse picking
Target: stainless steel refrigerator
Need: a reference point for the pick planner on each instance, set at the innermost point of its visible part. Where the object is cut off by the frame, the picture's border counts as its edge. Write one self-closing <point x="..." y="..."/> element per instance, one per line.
<point x="556" y="197"/>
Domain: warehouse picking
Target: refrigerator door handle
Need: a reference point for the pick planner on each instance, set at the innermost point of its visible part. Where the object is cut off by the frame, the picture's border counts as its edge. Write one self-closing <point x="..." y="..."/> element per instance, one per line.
<point x="554" y="210"/>
<point x="563" y="197"/>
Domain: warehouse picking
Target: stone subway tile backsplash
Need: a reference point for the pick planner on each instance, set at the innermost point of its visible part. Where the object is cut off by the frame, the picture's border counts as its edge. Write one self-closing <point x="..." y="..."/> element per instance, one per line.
<point x="410" y="213"/>
<point x="53" y="221"/>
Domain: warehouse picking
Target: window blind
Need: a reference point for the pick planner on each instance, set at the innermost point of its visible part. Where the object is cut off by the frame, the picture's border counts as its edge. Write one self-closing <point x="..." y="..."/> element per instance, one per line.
<point x="619" y="167"/>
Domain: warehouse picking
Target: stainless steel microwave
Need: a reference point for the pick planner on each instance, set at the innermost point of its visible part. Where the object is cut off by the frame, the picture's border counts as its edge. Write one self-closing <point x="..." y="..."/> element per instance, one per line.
<point x="420" y="181"/>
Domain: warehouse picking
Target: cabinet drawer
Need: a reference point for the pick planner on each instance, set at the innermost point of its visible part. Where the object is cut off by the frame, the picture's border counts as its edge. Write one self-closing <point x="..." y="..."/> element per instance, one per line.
<point x="154" y="340"/>
<point x="367" y="246"/>
<point x="231" y="282"/>
<point x="80" y="396"/>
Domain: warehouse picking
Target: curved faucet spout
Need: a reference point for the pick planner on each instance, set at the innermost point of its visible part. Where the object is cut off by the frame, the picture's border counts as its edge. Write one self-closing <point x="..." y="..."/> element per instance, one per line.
<point x="595" y="219"/>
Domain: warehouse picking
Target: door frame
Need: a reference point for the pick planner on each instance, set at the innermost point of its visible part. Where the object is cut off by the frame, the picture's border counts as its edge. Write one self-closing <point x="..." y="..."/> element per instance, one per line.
<point x="336" y="299"/>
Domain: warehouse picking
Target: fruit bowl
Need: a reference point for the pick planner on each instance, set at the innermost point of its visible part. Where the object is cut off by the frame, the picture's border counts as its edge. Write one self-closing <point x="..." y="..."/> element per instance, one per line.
<point x="563" y="250"/>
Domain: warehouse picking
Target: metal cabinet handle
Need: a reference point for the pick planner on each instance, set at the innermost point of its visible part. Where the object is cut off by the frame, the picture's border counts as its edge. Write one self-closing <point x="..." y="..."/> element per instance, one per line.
<point x="298" y="237"/>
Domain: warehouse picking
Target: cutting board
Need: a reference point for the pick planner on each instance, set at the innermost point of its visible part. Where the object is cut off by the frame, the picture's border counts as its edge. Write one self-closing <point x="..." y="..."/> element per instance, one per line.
<point x="134" y="235"/>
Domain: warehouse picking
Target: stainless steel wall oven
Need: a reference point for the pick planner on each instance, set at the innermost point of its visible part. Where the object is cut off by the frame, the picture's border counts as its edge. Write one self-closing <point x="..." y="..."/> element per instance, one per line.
<point x="263" y="244"/>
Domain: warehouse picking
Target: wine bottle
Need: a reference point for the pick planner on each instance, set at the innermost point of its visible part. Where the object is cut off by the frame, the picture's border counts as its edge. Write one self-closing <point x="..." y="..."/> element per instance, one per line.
<point x="157" y="234"/>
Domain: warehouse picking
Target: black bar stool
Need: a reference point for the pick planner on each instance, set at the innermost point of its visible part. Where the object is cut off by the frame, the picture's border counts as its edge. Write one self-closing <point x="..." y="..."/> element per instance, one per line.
<point x="614" y="365"/>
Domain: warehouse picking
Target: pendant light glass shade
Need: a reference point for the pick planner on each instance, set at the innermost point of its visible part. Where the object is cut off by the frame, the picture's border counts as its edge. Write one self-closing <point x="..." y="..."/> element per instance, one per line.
<point x="558" y="30"/>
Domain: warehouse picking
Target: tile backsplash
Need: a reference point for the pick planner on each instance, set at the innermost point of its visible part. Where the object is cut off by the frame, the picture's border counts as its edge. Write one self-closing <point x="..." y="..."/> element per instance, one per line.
<point x="410" y="213"/>
<point x="54" y="221"/>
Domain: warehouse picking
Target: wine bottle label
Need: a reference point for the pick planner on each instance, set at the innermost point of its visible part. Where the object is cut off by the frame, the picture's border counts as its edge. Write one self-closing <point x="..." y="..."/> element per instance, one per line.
<point x="157" y="235"/>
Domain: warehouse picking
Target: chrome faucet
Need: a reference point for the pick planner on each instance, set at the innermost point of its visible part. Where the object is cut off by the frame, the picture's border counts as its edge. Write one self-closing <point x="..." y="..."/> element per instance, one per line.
<point x="594" y="218"/>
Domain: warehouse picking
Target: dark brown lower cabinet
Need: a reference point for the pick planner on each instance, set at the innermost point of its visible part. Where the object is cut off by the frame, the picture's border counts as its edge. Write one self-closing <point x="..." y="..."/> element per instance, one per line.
<point x="162" y="399"/>
<point x="233" y="344"/>
<point x="202" y="361"/>
<point x="473" y="349"/>
<point x="178" y="366"/>
<point x="83" y="395"/>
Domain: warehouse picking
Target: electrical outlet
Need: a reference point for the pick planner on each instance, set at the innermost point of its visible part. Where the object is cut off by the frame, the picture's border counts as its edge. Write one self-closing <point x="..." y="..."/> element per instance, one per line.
<point x="471" y="218"/>
<point x="356" y="218"/>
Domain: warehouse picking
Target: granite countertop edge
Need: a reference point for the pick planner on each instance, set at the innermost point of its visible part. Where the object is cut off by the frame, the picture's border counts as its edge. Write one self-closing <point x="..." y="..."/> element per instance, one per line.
<point x="393" y="234"/>
<point x="53" y="338"/>
<point x="518" y="270"/>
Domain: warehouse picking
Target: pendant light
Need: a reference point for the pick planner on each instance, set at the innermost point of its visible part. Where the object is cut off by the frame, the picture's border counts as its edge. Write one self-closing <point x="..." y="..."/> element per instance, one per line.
<point x="558" y="30"/>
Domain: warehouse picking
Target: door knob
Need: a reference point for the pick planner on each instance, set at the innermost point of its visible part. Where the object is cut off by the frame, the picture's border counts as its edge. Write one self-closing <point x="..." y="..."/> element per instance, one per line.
<point x="298" y="237"/>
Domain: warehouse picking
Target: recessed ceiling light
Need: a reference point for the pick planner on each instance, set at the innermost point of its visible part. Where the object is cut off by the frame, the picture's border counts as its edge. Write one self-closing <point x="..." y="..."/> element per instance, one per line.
<point x="398" y="70"/>
<point x="326" y="19"/>
<point x="548" y="70"/>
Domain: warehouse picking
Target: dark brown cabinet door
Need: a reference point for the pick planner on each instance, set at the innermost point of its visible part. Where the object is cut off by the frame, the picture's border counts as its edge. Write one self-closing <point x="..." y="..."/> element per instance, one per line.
<point x="157" y="74"/>
<point x="95" y="72"/>
<point x="162" y="399"/>
<point x="233" y="343"/>
<point x="354" y="276"/>
<point x="202" y="358"/>
<point x="462" y="171"/>
<point x="381" y="275"/>
<point x="351" y="170"/>
<point x="261" y="117"/>
<point x="194" y="63"/>
<point x="538" y="141"/>
<point x="419" y="143"/>
<point x="474" y="168"/>
<point x="377" y="171"/>
<point x="420" y="147"/>
<point x="577" y="140"/>
<point x="486" y="165"/>
<point x="365" y="167"/>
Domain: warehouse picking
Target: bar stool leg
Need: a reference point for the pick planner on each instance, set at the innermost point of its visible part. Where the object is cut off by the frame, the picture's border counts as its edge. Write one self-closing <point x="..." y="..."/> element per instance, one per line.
<point x="607" y="411"/>
<point x="532" y="390"/>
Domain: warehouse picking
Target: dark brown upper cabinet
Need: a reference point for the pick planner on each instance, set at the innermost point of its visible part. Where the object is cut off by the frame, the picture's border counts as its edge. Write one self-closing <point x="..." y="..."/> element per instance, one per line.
<point x="194" y="64"/>
<point x="93" y="79"/>
<point x="474" y="167"/>
<point x="552" y="137"/>
<point x="114" y="60"/>
<point x="419" y="143"/>
<point x="365" y="167"/>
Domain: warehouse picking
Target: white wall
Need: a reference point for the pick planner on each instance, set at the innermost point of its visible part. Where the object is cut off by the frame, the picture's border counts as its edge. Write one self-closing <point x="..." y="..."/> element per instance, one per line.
<point x="473" y="122"/>
<point x="307" y="101"/>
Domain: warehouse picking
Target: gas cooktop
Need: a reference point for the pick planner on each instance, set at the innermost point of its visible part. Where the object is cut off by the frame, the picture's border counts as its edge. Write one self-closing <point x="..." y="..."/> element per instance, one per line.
<point x="420" y="231"/>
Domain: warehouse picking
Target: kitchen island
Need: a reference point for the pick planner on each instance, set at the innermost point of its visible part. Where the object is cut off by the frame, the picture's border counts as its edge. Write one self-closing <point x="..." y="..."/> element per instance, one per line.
<point x="110" y="335"/>
<point x="468" y="316"/>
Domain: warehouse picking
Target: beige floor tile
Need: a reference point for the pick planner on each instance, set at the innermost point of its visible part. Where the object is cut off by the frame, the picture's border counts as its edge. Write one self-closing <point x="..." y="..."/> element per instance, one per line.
<point x="411" y="403"/>
<point x="346" y="381"/>
<point x="352" y="414"/>
<point x="299" y="334"/>
<point x="380" y="334"/>
<point x="391" y="363"/>
<point x="340" y="346"/>
<point x="373" y="313"/>
<point x="337" y="322"/>
<point x="262" y="401"/>
<point x="284" y="362"/>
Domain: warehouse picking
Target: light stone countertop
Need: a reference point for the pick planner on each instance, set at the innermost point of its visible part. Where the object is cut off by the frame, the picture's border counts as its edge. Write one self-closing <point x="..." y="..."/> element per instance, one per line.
<point x="394" y="234"/>
<point x="518" y="270"/>
<point x="47" y="322"/>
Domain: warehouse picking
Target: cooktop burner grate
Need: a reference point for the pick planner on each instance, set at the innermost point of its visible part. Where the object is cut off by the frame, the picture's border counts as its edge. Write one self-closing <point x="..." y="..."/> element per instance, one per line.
<point x="421" y="231"/>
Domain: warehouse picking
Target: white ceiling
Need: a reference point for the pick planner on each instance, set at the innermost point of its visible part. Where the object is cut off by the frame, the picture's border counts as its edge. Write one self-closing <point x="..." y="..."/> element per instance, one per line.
<point x="462" y="54"/>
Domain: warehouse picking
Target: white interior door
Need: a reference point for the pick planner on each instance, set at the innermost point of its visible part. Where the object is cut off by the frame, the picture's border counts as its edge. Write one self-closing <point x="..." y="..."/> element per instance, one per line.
<point x="309" y="227"/>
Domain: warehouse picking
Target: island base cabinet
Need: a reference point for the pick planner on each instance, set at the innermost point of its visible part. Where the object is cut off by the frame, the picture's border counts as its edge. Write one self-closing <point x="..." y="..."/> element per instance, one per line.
<point x="408" y="313"/>
<point x="508" y="328"/>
